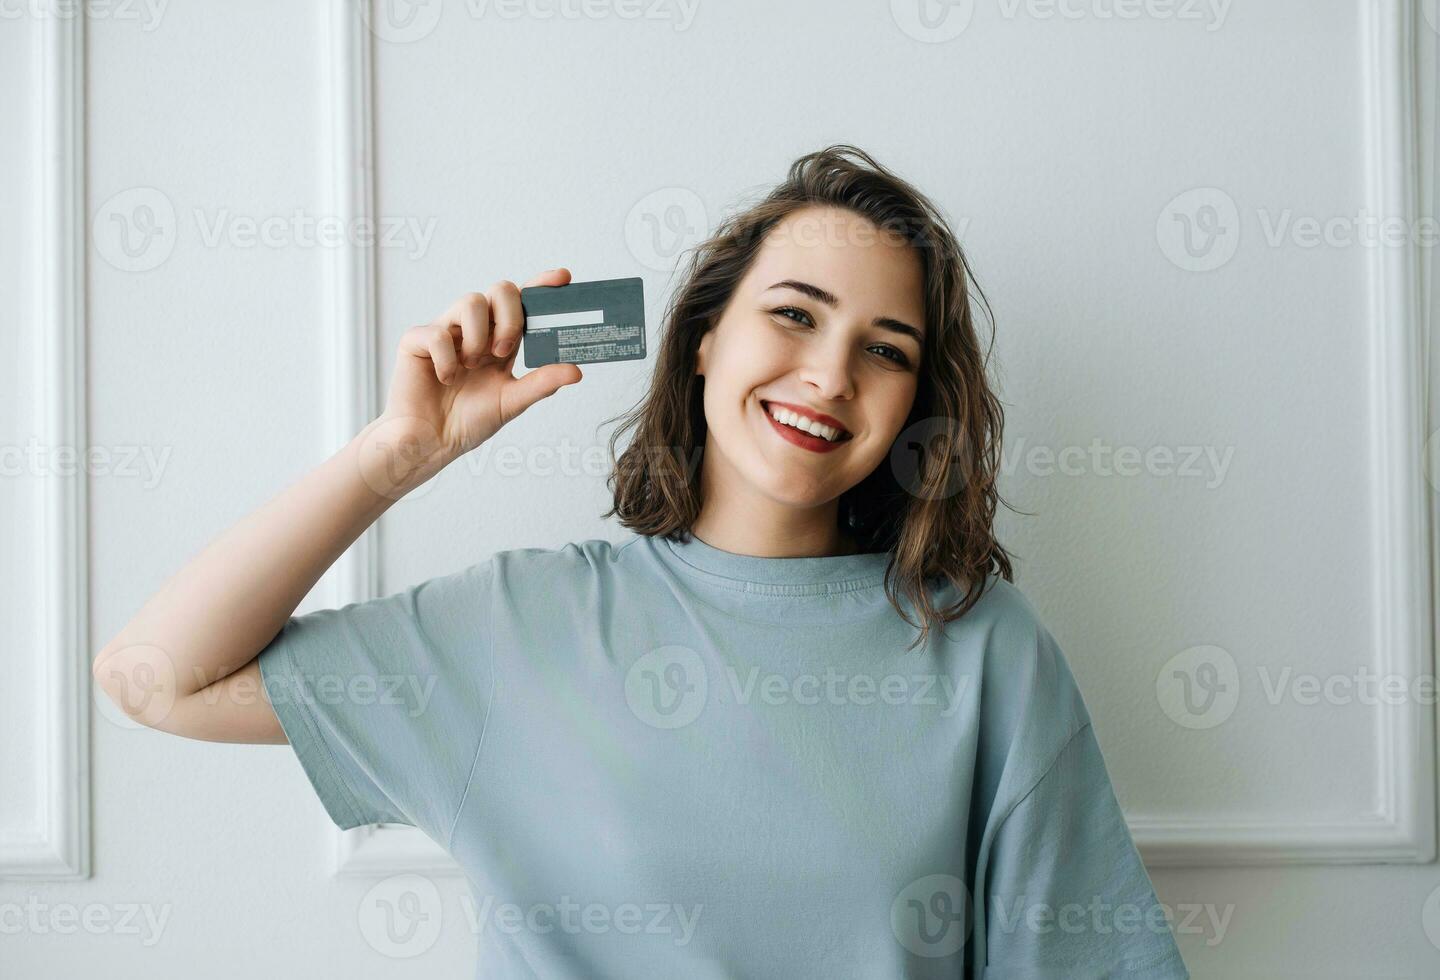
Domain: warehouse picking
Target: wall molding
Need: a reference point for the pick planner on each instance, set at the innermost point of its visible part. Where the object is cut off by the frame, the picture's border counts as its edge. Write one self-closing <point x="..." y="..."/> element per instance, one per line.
<point x="353" y="383"/>
<point x="1401" y="829"/>
<point x="57" y="844"/>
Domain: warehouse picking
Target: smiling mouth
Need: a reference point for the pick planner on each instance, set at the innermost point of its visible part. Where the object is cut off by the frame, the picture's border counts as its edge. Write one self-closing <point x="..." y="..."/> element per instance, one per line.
<point x="827" y="435"/>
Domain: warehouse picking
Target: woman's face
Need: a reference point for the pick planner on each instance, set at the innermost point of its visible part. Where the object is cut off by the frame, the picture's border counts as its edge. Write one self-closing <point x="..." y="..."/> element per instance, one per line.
<point x="828" y="318"/>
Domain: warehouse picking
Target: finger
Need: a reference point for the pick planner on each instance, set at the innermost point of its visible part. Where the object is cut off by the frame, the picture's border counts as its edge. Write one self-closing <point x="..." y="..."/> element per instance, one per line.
<point x="472" y="313"/>
<point x="522" y="392"/>
<point x="551" y="277"/>
<point x="442" y="351"/>
<point x="507" y="317"/>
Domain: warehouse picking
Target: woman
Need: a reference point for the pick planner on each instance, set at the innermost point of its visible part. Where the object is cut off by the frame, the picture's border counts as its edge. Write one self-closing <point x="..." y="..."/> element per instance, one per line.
<point x="798" y="722"/>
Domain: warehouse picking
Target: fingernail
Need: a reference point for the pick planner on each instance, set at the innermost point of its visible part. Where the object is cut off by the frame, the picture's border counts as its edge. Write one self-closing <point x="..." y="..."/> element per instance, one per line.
<point x="504" y="347"/>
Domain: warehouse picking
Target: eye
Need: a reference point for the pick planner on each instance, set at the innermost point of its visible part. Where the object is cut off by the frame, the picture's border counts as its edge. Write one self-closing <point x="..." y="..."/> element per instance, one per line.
<point x="899" y="355"/>
<point x="790" y="309"/>
<point x="892" y="353"/>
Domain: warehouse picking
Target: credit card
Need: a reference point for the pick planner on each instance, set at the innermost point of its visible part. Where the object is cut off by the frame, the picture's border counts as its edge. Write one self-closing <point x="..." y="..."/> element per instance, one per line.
<point x="584" y="322"/>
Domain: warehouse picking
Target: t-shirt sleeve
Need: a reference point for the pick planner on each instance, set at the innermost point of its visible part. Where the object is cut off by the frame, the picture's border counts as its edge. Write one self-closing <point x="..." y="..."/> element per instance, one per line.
<point x="1066" y="894"/>
<point x="385" y="701"/>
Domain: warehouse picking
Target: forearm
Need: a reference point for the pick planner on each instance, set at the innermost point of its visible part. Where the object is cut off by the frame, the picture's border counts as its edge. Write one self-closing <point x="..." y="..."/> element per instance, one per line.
<point x="221" y="609"/>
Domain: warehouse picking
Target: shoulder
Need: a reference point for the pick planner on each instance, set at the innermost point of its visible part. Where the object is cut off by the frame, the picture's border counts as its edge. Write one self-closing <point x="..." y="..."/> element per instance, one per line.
<point x="1028" y="690"/>
<point x="576" y="568"/>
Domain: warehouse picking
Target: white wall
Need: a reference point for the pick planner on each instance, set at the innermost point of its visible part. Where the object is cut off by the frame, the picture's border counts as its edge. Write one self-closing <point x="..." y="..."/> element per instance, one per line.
<point x="1063" y="147"/>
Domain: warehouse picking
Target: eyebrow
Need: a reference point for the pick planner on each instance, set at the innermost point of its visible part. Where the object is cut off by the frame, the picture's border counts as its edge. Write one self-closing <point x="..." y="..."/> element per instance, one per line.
<point x="829" y="299"/>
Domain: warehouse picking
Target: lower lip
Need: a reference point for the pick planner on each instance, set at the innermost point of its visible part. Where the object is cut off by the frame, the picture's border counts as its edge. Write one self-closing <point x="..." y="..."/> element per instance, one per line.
<point x="802" y="439"/>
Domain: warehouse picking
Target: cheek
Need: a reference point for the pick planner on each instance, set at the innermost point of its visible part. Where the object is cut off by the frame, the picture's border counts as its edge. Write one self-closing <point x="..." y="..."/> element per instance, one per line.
<point x="748" y="360"/>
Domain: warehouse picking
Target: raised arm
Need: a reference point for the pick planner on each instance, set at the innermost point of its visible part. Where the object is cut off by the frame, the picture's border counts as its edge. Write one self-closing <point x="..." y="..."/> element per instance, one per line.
<point x="186" y="663"/>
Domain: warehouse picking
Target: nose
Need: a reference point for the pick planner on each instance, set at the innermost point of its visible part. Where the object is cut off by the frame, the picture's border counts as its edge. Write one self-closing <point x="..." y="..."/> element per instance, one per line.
<point x="827" y="369"/>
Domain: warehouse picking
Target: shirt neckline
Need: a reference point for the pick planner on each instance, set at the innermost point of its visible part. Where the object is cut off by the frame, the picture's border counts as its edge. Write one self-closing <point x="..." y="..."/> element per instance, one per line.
<point x="812" y="575"/>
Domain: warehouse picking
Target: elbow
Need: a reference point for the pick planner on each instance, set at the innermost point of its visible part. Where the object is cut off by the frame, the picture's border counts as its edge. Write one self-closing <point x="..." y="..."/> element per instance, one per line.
<point x="138" y="679"/>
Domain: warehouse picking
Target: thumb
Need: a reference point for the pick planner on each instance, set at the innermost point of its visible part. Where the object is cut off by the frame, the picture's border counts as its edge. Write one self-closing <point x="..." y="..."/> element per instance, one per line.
<point x="520" y="393"/>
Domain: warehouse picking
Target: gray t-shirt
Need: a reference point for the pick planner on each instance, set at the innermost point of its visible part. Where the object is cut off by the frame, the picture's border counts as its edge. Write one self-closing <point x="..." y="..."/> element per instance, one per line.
<point x="678" y="761"/>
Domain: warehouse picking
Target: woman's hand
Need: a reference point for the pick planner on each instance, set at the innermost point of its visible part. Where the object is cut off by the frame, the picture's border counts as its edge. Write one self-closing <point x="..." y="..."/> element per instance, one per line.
<point x="453" y="388"/>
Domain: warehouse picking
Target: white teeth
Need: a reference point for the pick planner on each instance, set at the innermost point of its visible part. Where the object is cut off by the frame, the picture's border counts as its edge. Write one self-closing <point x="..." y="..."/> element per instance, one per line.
<point x="787" y="417"/>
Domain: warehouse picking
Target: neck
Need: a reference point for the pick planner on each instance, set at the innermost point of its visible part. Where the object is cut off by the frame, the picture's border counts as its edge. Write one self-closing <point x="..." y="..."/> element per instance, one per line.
<point x="737" y="519"/>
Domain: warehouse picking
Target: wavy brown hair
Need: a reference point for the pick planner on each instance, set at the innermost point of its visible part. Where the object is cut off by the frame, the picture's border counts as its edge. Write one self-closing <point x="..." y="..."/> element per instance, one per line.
<point x="932" y="505"/>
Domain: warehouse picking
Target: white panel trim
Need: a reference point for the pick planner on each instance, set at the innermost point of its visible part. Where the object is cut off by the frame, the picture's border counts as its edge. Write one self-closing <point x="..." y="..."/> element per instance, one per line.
<point x="352" y="383"/>
<point x="1401" y="829"/>
<point x="57" y="845"/>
